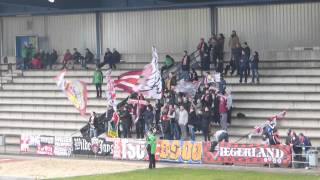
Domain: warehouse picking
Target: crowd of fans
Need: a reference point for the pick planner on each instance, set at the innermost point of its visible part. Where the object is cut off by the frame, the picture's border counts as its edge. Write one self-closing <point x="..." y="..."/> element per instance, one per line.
<point x="40" y="59"/>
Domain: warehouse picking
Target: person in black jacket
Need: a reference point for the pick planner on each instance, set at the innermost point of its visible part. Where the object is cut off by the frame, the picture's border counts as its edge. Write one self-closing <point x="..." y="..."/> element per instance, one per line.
<point x="115" y="58"/>
<point x="205" y="124"/>
<point x="185" y="66"/>
<point x="192" y="122"/>
<point x="247" y="52"/>
<point x="52" y="58"/>
<point x="89" y="58"/>
<point x="107" y="59"/>
<point x="126" y="120"/>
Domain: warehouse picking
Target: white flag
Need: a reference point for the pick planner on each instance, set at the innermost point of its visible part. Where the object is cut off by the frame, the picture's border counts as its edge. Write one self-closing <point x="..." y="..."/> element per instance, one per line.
<point x="150" y="83"/>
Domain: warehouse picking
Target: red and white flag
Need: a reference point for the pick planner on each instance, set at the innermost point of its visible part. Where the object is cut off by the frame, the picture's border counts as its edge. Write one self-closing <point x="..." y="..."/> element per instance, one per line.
<point x="128" y="81"/>
<point x="147" y="81"/>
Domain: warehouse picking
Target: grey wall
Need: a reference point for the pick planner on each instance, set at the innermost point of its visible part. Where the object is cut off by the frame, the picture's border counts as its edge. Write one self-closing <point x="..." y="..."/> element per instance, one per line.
<point x="171" y="31"/>
<point x="273" y="27"/>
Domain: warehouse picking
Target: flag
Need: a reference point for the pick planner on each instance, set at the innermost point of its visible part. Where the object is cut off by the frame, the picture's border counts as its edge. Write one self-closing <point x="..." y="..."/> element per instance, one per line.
<point x="128" y="80"/>
<point x="110" y="90"/>
<point x="278" y="116"/>
<point x="272" y="122"/>
<point x="189" y="88"/>
<point x="76" y="91"/>
<point x="150" y="83"/>
<point x="147" y="81"/>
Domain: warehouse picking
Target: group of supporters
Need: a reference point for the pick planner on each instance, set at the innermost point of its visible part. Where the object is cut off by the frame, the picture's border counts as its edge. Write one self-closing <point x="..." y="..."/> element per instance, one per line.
<point x="40" y="59"/>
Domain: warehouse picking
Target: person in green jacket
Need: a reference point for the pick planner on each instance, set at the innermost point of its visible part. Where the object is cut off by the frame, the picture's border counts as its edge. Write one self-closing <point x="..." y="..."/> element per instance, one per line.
<point x="151" y="147"/>
<point x="168" y="63"/>
<point x="97" y="80"/>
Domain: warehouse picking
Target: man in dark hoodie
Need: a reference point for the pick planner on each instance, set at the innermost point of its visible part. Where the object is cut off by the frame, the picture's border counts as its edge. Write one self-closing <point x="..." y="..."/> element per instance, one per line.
<point x="148" y="117"/>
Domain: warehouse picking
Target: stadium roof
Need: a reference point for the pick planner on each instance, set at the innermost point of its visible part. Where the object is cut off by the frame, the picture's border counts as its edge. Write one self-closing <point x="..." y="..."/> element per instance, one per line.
<point x="13" y="7"/>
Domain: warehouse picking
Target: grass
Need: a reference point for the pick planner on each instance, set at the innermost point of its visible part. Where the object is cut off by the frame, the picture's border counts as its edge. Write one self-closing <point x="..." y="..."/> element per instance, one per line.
<point x="194" y="174"/>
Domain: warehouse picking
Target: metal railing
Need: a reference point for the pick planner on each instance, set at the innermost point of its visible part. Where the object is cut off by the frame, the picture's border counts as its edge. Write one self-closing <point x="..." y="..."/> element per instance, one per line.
<point x="307" y="158"/>
<point x="177" y="67"/>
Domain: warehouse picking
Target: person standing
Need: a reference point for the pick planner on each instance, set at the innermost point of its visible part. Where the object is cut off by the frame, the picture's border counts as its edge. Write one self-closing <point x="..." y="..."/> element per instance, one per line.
<point x="185" y="66"/>
<point x="213" y="43"/>
<point x="223" y="111"/>
<point x="247" y="53"/>
<point x="205" y="121"/>
<point x="183" y="120"/>
<point x="243" y="67"/>
<point x="151" y="147"/>
<point x="148" y="117"/>
<point x="93" y="125"/>
<point x="255" y="67"/>
<point x="229" y="105"/>
<point x="97" y="80"/>
<point x="233" y="42"/>
<point x="203" y="48"/>
<point x="192" y="122"/>
<point x="220" y="52"/>
<point x="126" y="122"/>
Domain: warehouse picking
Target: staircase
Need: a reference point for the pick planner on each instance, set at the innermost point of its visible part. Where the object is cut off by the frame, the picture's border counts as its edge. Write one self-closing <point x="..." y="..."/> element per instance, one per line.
<point x="32" y="104"/>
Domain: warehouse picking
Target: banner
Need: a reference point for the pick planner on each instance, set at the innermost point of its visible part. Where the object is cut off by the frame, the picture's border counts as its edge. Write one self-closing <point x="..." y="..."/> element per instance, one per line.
<point x="180" y="151"/>
<point x="189" y="88"/>
<point x="27" y="141"/>
<point x="46" y="146"/>
<point x="62" y="146"/>
<point x="97" y="146"/>
<point x="110" y="90"/>
<point x="130" y="149"/>
<point x="247" y="154"/>
<point x="76" y="91"/>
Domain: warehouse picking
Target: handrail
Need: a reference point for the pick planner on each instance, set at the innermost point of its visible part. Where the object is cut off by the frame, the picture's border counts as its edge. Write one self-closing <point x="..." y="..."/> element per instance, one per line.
<point x="177" y="67"/>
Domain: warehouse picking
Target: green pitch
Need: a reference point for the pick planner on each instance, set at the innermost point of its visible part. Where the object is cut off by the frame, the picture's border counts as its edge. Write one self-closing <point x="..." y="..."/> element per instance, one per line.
<point x="194" y="174"/>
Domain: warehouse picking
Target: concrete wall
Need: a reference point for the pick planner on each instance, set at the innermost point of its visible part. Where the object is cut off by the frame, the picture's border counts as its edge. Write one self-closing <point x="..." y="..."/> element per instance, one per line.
<point x="273" y="27"/>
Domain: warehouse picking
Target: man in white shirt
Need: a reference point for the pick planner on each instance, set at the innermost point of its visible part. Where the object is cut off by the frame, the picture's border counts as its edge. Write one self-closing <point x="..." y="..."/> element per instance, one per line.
<point x="183" y="120"/>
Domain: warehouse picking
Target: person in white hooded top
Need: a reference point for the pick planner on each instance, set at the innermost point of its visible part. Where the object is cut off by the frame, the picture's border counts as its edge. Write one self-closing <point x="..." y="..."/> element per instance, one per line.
<point x="183" y="120"/>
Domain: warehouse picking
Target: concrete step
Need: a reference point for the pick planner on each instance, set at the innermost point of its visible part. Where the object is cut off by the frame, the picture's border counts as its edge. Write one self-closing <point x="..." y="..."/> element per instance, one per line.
<point x="265" y="95"/>
<point x="56" y="95"/>
<point x="294" y="123"/>
<point x="275" y="88"/>
<point x="93" y="102"/>
<point x="43" y="116"/>
<point x="276" y="104"/>
<point x="23" y="124"/>
<point x="26" y="96"/>
<point x="271" y="87"/>
<point x="49" y="108"/>
<point x="230" y="80"/>
<point x="40" y="131"/>
<point x="268" y="112"/>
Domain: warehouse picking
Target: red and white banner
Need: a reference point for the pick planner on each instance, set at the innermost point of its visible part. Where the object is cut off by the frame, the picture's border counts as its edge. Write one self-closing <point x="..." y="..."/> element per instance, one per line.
<point x="247" y="154"/>
<point x="110" y="90"/>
